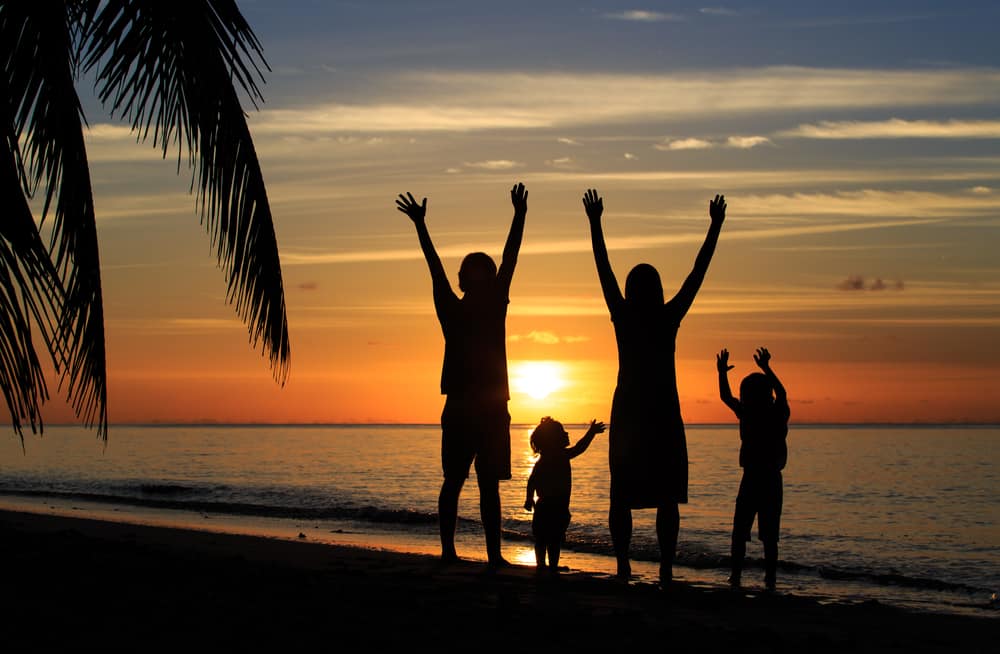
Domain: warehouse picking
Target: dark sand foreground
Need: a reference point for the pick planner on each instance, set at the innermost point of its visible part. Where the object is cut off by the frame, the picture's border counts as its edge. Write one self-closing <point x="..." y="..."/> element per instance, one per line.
<point x="75" y="583"/>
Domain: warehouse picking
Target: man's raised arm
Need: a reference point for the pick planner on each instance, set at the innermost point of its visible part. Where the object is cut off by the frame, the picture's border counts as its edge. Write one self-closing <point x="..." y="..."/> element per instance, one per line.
<point x="519" y="198"/>
<point x="417" y="213"/>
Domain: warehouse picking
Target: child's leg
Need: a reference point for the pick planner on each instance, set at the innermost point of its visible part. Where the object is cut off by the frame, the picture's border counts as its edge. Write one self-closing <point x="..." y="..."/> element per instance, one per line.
<point x="554" y="549"/>
<point x="742" y="524"/>
<point x="770" y="564"/>
<point x="539" y="554"/>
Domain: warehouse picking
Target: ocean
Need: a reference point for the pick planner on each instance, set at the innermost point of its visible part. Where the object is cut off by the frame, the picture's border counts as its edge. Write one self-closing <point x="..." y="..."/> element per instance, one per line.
<point x="908" y="516"/>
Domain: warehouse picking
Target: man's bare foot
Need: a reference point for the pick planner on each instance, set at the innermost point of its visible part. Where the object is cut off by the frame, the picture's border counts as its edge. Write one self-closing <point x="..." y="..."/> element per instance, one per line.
<point x="498" y="562"/>
<point x="449" y="556"/>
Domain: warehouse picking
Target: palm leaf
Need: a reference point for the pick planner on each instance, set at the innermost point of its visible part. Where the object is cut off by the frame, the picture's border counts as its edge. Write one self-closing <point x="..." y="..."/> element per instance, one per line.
<point x="40" y="59"/>
<point x="171" y="69"/>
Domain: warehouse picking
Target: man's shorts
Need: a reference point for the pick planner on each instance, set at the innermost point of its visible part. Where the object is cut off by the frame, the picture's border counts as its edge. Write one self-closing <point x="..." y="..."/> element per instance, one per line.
<point x="760" y="495"/>
<point x="475" y="430"/>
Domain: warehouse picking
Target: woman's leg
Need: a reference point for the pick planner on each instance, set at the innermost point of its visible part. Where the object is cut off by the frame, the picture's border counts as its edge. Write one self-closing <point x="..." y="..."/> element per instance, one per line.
<point x="620" y="523"/>
<point x="668" y="522"/>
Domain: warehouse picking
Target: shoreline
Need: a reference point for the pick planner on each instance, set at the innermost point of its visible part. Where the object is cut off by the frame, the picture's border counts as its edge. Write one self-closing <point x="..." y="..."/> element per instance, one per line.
<point x="74" y="581"/>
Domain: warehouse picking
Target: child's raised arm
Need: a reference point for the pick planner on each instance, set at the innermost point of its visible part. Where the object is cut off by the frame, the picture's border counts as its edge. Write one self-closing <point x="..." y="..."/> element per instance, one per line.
<point x="763" y="360"/>
<point x="685" y="296"/>
<point x="417" y="213"/>
<point x="505" y="275"/>
<point x="582" y="444"/>
<point x="722" y="364"/>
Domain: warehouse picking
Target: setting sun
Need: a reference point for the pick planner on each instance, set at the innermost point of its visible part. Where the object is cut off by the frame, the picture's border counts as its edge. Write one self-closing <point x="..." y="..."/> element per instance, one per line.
<point x="537" y="379"/>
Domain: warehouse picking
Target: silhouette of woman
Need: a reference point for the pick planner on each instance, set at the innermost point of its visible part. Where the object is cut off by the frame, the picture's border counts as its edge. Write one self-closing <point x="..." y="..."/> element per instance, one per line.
<point x="647" y="446"/>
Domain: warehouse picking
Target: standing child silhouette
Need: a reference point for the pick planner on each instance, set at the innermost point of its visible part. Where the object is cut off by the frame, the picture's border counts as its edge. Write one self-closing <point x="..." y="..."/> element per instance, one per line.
<point x="763" y="414"/>
<point x="552" y="480"/>
<point x="475" y="424"/>
<point x="646" y="443"/>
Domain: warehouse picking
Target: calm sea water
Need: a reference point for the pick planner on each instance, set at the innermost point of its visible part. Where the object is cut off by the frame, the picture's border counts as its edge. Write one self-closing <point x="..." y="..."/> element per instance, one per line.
<point x="902" y="515"/>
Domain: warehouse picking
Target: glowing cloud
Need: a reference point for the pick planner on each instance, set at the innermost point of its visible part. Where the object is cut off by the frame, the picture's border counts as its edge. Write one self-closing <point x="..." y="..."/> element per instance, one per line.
<point x="896" y="128"/>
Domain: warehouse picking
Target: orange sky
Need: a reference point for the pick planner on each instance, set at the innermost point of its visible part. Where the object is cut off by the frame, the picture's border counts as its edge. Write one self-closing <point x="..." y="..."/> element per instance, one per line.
<point x="864" y="202"/>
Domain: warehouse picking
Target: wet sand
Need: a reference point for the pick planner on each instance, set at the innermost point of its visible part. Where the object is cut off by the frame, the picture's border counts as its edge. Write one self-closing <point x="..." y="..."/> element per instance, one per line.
<point x="71" y="582"/>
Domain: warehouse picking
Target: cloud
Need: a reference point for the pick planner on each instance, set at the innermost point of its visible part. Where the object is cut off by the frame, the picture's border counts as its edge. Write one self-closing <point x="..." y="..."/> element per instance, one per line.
<point x="307" y="286"/>
<point x="568" y="141"/>
<point x="546" y="338"/>
<point x="859" y="283"/>
<point x="685" y="144"/>
<point x="981" y="190"/>
<point x="747" y="142"/>
<point x="896" y="128"/>
<point x="642" y="16"/>
<point x="493" y="164"/>
<point x="453" y="171"/>
<point x="561" y="162"/>
<point x="718" y="11"/>
<point x="630" y="156"/>
<point x="458" y="101"/>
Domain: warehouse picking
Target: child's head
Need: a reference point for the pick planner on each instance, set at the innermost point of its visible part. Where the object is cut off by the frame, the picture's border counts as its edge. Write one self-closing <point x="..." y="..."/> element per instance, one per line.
<point x="643" y="286"/>
<point x="477" y="273"/>
<point x="756" y="391"/>
<point x="548" y="436"/>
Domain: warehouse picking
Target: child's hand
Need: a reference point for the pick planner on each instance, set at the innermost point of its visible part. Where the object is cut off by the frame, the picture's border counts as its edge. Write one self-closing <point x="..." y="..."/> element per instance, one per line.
<point x="595" y="427"/>
<point x="722" y="362"/>
<point x="408" y="205"/>
<point x="529" y="504"/>
<point x="717" y="209"/>
<point x="762" y="358"/>
<point x="519" y="198"/>
<point x="593" y="204"/>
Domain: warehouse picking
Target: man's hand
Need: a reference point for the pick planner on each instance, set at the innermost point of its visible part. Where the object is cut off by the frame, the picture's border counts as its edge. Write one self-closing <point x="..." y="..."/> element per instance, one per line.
<point x="762" y="358"/>
<point x="408" y="205"/>
<point x="519" y="198"/>
<point x="717" y="209"/>
<point x="722" y="362"/>
<point x="593" y="204"/>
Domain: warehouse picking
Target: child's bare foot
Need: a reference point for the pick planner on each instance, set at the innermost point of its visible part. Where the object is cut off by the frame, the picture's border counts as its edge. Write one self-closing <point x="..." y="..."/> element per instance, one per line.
<point x="666" y="575"/>
<point x="735" y="580"/>
<point x="624" y="570"/>
<point x="449" y="556"/>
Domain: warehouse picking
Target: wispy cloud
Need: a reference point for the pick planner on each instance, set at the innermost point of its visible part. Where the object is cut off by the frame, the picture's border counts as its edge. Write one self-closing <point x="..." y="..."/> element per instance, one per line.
<point x="642" y="16"/>
<point x="630" y="157"/>
<point x="719" y="11"/>
<point x="493" y="164"/>
<point x="860" y="283"/>
<point x="685" y="144"/>
<point x="545" y="338"/>
<point x="896" y="128"/>
<point x="981" y="190"/>
<point x="464" y="101"/>
<point x="568" y="141"/>
<point x="561" y="162"/>
<point x="747" y="142"/>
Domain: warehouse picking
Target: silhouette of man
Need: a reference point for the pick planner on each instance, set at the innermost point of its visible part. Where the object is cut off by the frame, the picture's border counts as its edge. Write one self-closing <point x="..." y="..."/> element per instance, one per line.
<point x="475" y="424"/>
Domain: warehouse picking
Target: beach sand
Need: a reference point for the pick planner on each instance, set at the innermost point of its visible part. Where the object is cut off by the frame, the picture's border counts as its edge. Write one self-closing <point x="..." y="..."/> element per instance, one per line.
<point x="71" y="582"/>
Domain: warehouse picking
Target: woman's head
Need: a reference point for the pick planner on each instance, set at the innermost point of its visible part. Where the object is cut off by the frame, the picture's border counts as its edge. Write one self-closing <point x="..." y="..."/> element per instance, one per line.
<point x="477" y="273"/>
<point x="643" y="286"/>
<point x="548" y="436"/>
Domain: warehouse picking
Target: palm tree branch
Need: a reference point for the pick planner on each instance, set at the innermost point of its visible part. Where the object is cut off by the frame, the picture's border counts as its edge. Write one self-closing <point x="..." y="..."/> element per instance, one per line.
<point x="40" y="61"/>
<point x="169" y="68"/>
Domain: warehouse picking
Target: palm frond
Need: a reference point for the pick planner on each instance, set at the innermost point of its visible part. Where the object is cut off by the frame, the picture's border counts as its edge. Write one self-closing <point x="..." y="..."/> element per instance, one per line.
<point x="171" y="68"/>
<point x="40" y="59"/>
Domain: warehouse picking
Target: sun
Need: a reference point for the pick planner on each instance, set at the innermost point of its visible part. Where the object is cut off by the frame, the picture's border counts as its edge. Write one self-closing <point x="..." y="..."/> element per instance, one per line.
<point x="538" y="379"/>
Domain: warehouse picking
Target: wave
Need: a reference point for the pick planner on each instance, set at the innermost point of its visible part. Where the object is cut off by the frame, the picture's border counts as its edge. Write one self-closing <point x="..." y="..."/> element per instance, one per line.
<point x="287" y="504"/>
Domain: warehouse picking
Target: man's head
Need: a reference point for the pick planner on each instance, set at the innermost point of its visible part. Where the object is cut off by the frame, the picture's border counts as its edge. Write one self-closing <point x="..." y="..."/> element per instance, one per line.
<point x="477" y="273"/>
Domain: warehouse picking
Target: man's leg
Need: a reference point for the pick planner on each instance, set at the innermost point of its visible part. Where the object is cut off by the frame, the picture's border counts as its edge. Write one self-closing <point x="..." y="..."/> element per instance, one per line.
<point x="448" y="516"/>
<point x="489" y="513"/>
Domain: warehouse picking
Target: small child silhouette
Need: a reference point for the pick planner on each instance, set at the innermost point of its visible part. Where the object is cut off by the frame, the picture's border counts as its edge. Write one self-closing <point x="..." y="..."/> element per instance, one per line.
<point x="552" y="480"/>
<point x="763" y="414"/>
